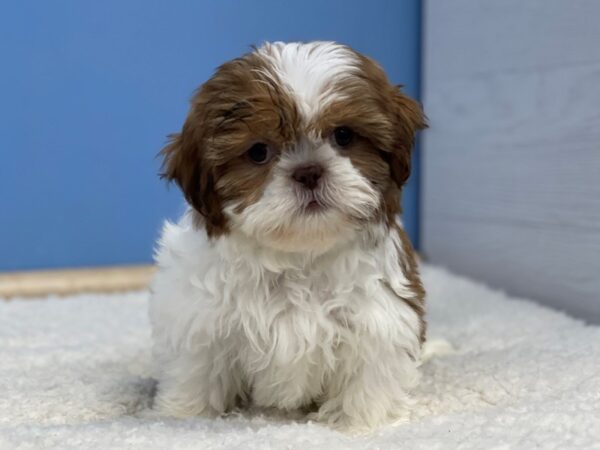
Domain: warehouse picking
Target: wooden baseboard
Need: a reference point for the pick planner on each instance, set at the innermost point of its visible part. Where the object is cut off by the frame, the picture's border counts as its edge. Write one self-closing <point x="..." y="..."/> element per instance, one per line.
<point x="74" y="281"/>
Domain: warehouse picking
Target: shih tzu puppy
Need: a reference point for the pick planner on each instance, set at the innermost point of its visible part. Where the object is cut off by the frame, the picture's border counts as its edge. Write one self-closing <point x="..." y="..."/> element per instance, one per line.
<point x="290" y="282"/>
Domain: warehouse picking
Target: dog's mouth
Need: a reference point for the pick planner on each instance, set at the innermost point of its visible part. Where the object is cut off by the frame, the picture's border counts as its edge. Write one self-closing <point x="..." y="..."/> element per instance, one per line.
<point x="311" y="202"/>
<point x="314" y="204"/>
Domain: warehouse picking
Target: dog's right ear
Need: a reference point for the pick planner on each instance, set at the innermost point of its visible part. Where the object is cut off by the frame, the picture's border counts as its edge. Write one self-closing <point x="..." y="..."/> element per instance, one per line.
<point x="184" y="163"/>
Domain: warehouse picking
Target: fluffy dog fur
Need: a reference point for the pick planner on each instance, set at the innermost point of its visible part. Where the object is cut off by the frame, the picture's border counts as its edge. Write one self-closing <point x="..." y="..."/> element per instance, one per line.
<point x="279" y="288"/>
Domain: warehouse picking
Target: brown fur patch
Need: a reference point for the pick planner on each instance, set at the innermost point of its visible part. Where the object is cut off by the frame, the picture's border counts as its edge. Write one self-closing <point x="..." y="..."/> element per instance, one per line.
<point x="239" y="106"/>
<point x="411" y="272"/>
<point x="386" y="121"/>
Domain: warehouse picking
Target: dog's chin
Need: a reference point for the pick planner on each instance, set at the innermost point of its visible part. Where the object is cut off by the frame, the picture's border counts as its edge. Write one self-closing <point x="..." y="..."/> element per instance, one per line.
<point x="313" y="228"/>
<point x="299" y="241"/>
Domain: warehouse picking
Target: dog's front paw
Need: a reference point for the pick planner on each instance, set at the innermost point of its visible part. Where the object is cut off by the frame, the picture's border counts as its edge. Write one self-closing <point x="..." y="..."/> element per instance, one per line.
<point x="183" y="412"/>
<point x="338" y="420"/>
<point x="165" y="406"/>
<point x="358" y="418"/>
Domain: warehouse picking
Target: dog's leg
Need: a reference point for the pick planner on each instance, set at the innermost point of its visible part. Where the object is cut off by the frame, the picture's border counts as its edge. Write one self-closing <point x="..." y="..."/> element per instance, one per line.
<point x="202" y="383"/>
<point x="370" y="390"/>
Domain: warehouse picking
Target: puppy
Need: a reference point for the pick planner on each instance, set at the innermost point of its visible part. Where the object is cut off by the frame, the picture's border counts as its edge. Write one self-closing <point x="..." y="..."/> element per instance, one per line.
<point x="289" y="282"/>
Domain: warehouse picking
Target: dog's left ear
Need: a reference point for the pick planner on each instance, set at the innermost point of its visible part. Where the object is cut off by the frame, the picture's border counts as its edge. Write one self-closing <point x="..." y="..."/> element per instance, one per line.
<point x="408" y="118"/>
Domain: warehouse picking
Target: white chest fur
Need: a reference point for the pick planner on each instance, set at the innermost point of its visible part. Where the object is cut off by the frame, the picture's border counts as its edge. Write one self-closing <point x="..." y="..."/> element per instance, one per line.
<point x="284" y="329"/>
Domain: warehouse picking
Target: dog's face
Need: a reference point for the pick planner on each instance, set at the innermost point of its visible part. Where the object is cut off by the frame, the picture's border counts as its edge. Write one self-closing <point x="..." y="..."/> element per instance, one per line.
<point x="297" y="146"/>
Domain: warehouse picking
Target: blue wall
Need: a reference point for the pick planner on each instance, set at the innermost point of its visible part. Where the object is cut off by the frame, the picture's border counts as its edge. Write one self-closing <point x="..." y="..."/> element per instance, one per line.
<point x="89" y="90"/>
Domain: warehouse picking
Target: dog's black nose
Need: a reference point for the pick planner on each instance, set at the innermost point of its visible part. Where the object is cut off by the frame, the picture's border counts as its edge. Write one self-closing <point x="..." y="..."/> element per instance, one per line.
<point x="308" y="176"/>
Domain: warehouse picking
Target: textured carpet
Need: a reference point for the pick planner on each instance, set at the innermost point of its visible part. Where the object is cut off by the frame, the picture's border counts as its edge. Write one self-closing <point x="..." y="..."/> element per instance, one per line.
<point x="74" y="373"/>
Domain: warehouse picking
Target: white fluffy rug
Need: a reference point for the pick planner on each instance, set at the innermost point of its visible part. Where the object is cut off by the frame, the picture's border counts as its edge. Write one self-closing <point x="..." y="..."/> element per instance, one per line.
<point x="74" y="373"/>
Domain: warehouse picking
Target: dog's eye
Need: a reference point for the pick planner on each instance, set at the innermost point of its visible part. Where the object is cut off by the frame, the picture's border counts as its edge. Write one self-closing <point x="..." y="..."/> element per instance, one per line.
<point x="260" y="153"/>
<point x="343" y="136"/>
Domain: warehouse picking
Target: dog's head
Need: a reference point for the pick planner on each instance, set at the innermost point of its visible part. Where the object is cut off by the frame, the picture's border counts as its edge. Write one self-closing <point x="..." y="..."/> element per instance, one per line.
<point x="298" y="146"/>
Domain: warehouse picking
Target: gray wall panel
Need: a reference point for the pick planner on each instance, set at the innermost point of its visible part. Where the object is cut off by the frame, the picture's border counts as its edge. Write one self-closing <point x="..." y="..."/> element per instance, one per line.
<point x="511" y="163"/>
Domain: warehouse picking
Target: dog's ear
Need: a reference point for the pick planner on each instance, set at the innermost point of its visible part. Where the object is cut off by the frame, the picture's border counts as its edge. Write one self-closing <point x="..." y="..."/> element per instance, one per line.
<point x="408" y="118"/>
<point x="184" y="163"/>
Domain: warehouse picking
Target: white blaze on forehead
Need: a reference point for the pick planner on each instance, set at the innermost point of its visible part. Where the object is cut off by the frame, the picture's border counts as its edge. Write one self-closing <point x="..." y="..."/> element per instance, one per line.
<point x="310" y="71"/>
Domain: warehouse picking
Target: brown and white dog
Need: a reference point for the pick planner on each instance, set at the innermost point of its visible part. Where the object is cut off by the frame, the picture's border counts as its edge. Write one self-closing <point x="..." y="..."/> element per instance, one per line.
<point x="290" y="282"/>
